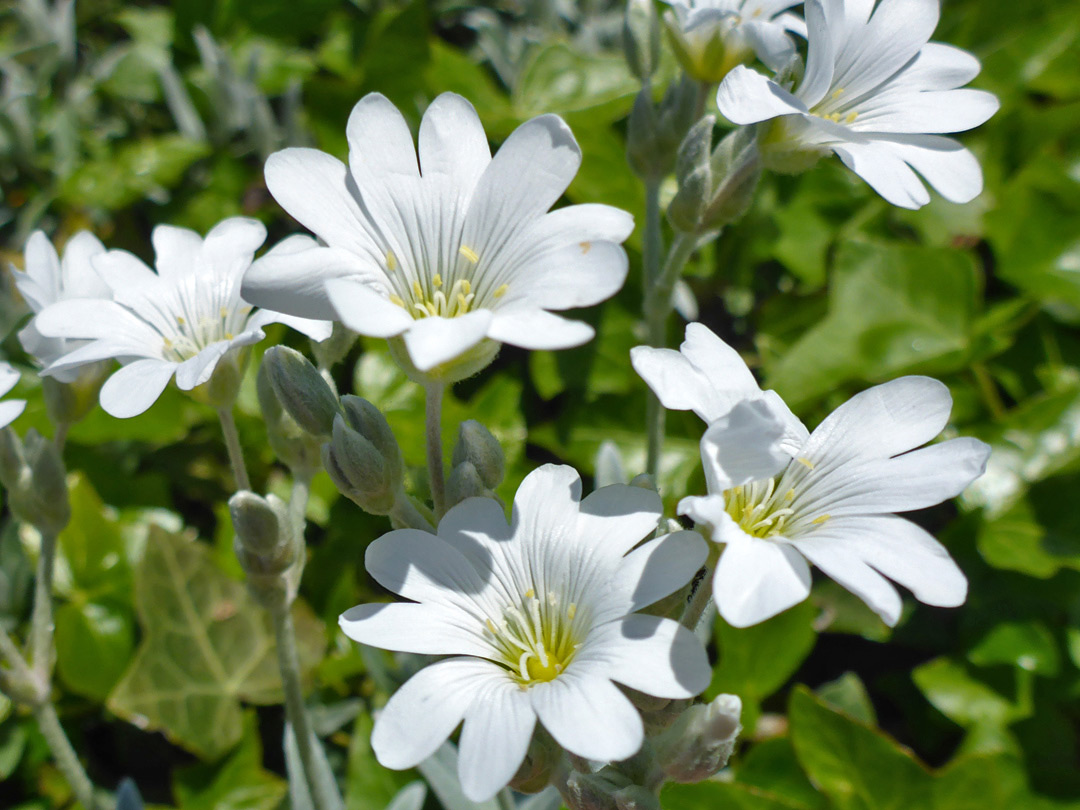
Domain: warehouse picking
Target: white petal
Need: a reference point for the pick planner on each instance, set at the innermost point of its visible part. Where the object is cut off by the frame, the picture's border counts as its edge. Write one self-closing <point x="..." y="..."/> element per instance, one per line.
<point x="526" y="177"/>
<point x="940" y="67"/>
<point x="477" y="527"/>
<point x="412" y="628"/>
<point x="926" y="112"/>
<point x="177" y="251"/>
<point x="452" y="143"/>
<point x="882" y="421"/>
<point x="495" y="738"/>
<point x="231" y="244"/>
<point x="198" y="369"/>
<point x="135" y="387"/>
<point x="380" y="145"/>
<point x="588" y="716"/>
<point x="425" y="711"/>
<point x="654" y="655"/>
<point x="316" y="190"/>
<point x="90" y="318"/>
<point x="616" y="518"/>
<point x="905" y="553"/>
<point x="706" y="510"/>
<point x="291" y="277"/>
<point x="434" y="341"/>
<point x="859" y="578"/>
<point x="94" y="352"/>
<point x="744" y="445"/>
<point x="40" y="284"/>
<point x="770" y="42"/>
<point x="537" y="329"/>
<point x="945" y="164"/>
<point x="821" y="57"/>
<point x="914" y="480"/>
<point x="658" y="568"/>
<point x="121" y="270"/>
<point x="79" y="279"/>
<point x="316" y="330"/>
<point x="364" y="310"/>
<point x="747" y="97"/>
<point x="885" y="171"/>
<point x="756" y="579"/>
<point x="422" y="567"/>
<point x="575" y="275"/>
<point x="10" y="411"/>
<point x="9" y="378"/>
<point x="546" y="504"/>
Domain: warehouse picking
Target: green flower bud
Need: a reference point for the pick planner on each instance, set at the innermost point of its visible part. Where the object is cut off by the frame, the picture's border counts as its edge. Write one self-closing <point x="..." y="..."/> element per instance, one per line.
<point x="540" y="762"/>
<point x="693" y="168"/>
<point x="707" y="53"/>
<point x="268" y="546"/>
<point x="68" y="403"/>
<point x="476" y="445"/>
<point x="332" y="351"/>
<point x="641" y="38"/>
<point x="464" y="482"/>
<point x="360" y="470"/>
<point x="12" y="461"/>
<point x="716" y="187"/>
<point x="34" y="475"/>
<point x="700" y="742"/>
<point x="369" y="421"/>
<point x="653" y="134"/>
<point x="293" y="445"/>
<point x="301" y="390"/>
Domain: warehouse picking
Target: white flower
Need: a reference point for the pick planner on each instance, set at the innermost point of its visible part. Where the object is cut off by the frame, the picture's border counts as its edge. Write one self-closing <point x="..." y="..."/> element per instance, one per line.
<point x="779" y="497"/>
<point x="182" y="320"/>
<point x="456" y="253"/>
<point x="878" y="94"/>
<point x="713" y="36"/>
<point x="10" y="408"/>
<point x="48" y="279"/>
<point x="539" y="618"/>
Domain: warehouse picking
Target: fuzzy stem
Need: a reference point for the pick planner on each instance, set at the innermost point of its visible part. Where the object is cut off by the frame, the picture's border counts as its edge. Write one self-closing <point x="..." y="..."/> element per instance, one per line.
<point x="60" y="436"/>
<point x="657" y="310"/>
<point x="66" y="758"/>
<point x="19" y="677"/>
<point x="295" y="710"/>
<point x="41" y="627"/>
<point x="232" y="446"/>
<point x="407" y="515"/>
<point x="433" y="418"/>
<point x="699" y="599"/>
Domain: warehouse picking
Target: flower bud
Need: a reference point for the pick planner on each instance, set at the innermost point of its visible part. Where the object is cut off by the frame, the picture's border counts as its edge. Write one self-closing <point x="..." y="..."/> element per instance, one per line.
<point x="362" y="473"/>
<point x="716" y="187"/>
<point x="33" y="474"/>
<point x="369" y="421"/>
<point x="477" y="446"/>
<point x="707" y="52"/>
<point x="693" y="168"/>
<point x="268" y="546"/>
<point x="700" y="742"/>
<point x="301" y="390"/>
<point x="293" y="445"/>
<point x="464" y="482"/>
<point x="641" y="38"/>
<point x="653" y="134"/>
<point x="68" y="402"/>
<point x="540" y="762"/>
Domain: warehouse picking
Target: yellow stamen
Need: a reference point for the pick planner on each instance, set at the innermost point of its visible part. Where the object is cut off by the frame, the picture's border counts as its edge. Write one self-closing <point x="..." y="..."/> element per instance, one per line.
<point x="805" y="462"/>
<point x="466" y="286"/>
<point x="437" y="280"/>
<point x="418" y="291"/>
<point x="818" y="521"/>
<point x="491" y="626"/>
<point x="469" y="253"/>
<point x="396" y="299"/>
<point x="586" y="247"/>
<point x="571" y="611"/>
<point x="499" y="293"/>
<point x="530" y="594"/>
<point x="851" y="117"/>
<point x="224" y="313"/>
<point x="229" y="335"/>
<point x="391" y="261"/>
<point x="180" y="320"/>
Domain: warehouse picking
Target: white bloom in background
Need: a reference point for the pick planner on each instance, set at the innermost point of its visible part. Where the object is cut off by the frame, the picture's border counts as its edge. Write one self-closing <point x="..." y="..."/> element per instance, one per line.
<point x="454" y="252"/>
<point x="9" y="408"/>
<point x="711" y="37"/>
<point x="780" y="496"/>
<point x="181" y="321"/>
<point x="48" y="279"/>
<point x="539" y="619"/>
<point x="878" y="94"/>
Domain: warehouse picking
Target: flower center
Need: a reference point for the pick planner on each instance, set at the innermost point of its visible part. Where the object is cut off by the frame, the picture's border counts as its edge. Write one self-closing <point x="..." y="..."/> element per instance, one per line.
<point x="431" y="298"/>
<point x="762" y="509"/>
<point x="536" y="640"/>
<point x="189" y="338"/>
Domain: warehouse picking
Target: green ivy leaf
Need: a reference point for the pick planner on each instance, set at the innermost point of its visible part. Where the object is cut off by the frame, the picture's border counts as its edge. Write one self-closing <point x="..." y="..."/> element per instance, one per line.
<point x="94" y="643"/>
<point x="207" y="646"/>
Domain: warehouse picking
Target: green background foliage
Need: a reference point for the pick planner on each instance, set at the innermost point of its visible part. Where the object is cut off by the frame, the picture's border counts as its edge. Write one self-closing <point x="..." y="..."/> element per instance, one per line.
<point x="152" y="113"/>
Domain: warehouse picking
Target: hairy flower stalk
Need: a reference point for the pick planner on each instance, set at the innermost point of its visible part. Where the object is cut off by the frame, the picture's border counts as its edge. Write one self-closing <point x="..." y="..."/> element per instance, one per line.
<point x="538" y="620"/>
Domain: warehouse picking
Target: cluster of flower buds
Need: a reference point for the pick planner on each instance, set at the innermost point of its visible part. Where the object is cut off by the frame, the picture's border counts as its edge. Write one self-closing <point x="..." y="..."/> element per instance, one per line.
<point x="363" y="457"/>
<point x="269" y="547"/>
<point x="32" y="472"/>
<point x="716" y="186"/>
<point x="478" y="465"/>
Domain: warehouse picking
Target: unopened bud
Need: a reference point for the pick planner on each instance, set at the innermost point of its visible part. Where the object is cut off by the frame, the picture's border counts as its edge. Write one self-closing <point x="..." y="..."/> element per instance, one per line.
<point x="477" y="446"/>
<point x="268" y="546"/>
<point x="34" y="475"/>
<point x="707" y="52"/>
<point x="700" y="742"/>
<point x="540" y="762"/>
<point x="653" y="134"/>
<point x="370" y="422"/>
<point x="293" y="445"/>
<point x="736" y="168"/>
<point x="68" y="402"/>
<point x="693" y="168"/>
<point x="643" y="481"/>
<point x="641" y="38"/>
<point x="464" y="482"/>
<point x="301" y="390"/>
<point x="360" y="471"/>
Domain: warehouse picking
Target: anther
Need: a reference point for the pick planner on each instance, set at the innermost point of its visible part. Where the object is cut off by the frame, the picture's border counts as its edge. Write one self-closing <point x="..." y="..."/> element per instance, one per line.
<point x="469" y="253"/>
